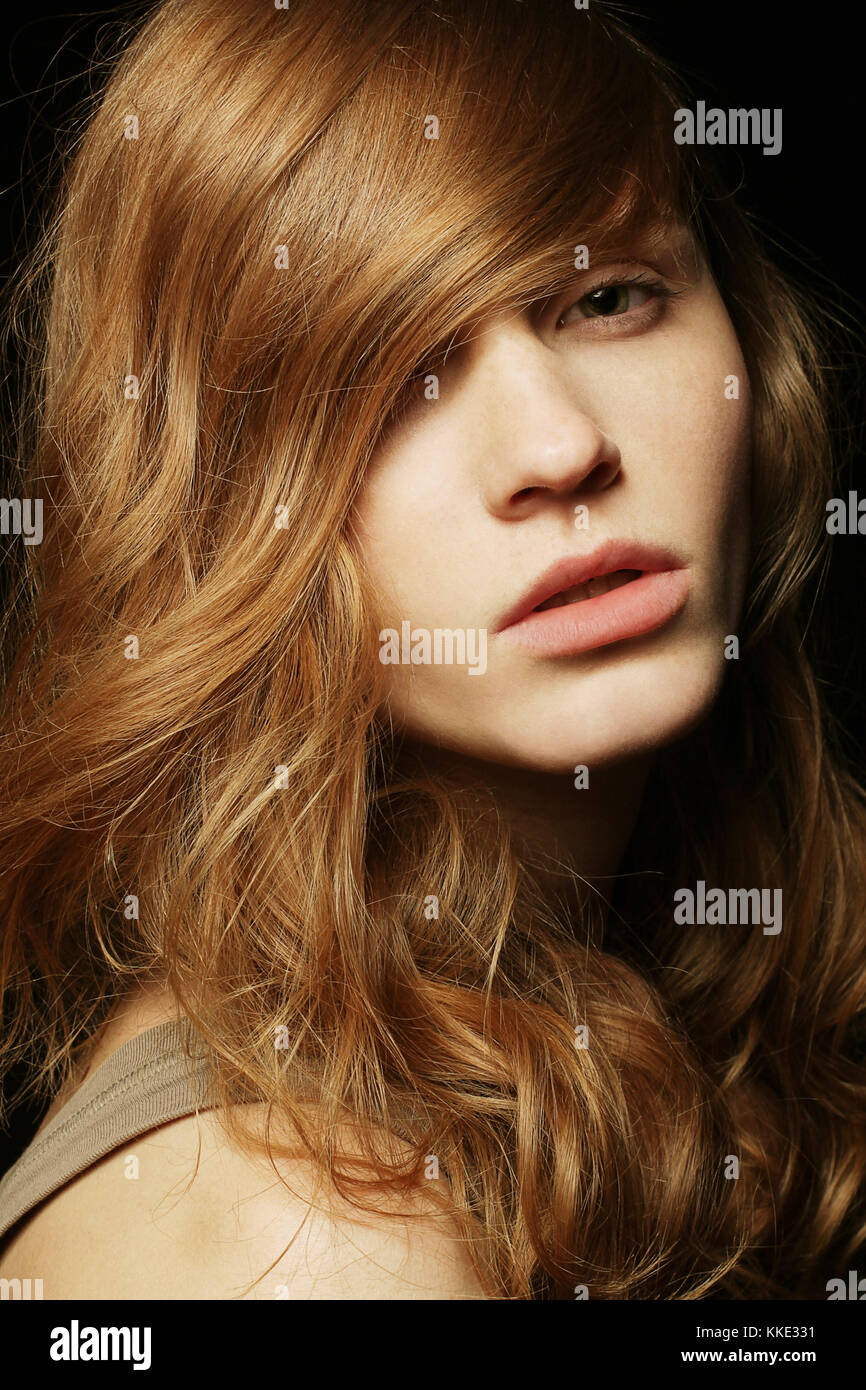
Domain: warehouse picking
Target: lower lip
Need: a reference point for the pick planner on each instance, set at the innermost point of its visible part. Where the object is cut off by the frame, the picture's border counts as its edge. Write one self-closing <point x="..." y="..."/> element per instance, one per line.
<point x="641" y="606"/>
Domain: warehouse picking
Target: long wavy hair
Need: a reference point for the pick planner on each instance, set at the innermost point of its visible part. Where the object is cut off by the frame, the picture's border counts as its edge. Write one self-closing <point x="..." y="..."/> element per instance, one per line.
<point x="255" y="248"/>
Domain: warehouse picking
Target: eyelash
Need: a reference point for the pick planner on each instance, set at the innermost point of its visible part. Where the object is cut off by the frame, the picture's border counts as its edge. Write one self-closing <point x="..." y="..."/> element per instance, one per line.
<point x="659" y="289"/>
<point x="642" y="280"/>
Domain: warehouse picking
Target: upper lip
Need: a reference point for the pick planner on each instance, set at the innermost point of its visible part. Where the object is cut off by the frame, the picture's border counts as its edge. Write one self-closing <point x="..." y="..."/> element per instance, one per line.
<point x="566" y="573"/>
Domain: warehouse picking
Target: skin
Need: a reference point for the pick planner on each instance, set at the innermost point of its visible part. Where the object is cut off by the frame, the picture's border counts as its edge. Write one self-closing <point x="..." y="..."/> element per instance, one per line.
<point x="204" y="1219"/>
<point x="471" y="497"/>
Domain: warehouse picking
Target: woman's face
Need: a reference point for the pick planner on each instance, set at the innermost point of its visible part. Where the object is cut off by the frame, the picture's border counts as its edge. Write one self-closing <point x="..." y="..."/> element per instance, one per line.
<point x="598" y="433"/>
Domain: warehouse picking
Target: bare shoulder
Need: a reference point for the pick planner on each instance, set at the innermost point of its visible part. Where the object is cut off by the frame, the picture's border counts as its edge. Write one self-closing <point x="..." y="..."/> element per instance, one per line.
<point x="181" y="1212"/>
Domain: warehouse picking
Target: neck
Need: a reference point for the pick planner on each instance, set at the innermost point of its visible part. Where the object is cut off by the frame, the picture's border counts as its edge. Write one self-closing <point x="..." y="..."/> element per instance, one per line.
<point x="568" y="831"/>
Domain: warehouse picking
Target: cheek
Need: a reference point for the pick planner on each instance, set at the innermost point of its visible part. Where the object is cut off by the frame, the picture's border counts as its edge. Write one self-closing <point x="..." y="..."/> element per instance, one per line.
<point x="684" y="429"/>
<point x="382" y="523"/>
<point x="396" y="525"/>
<point x="702" y="409"/>
<point x="686" y="424"/>
<point x="711" y="459"/>
<point x="412" y="520"/>
<point x="718" y="411"/>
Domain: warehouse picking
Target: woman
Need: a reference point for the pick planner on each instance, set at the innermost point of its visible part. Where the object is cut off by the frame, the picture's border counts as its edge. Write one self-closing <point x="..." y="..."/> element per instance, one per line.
<point x="522" y="940"/>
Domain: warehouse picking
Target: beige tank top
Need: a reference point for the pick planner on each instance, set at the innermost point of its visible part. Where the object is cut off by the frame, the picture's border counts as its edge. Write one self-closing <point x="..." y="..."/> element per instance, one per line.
<point x="147" y="1081"/>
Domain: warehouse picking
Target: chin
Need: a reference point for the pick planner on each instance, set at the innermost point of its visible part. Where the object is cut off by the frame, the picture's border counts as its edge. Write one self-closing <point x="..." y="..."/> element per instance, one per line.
<point x="556" y="720"/>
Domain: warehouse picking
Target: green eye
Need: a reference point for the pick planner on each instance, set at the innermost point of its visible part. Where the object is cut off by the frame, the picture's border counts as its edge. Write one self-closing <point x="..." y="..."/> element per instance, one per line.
<point x="610" y="299"/>
<point x="617" y="299"/>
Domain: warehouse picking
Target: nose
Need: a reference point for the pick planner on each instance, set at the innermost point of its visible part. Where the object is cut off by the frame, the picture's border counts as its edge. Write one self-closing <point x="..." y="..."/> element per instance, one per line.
<point x="545" y="447"/>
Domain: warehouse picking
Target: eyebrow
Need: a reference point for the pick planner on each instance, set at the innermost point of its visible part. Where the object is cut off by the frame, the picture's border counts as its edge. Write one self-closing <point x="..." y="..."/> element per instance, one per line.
<point x="671" y="234"/>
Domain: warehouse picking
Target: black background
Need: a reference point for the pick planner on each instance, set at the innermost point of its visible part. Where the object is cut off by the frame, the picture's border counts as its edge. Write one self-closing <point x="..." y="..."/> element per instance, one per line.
<point x="807" y="60"/>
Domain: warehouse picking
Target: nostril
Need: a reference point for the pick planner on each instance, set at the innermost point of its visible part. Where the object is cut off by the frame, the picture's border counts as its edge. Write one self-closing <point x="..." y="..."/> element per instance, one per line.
<point x="603" y="475"/>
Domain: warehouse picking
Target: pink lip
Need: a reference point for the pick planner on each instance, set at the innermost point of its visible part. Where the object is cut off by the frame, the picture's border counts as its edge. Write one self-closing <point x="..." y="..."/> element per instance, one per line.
<point x="641" y="606"/>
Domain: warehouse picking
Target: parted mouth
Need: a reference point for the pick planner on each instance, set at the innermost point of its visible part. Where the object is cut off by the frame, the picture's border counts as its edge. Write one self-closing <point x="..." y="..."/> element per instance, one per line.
<point x="574" y="579"/>
<point x="593" y="588"/>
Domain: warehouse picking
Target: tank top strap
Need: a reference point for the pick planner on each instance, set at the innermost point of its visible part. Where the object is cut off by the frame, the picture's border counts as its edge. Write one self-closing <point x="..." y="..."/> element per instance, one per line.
<point x="161" y="1075"/>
